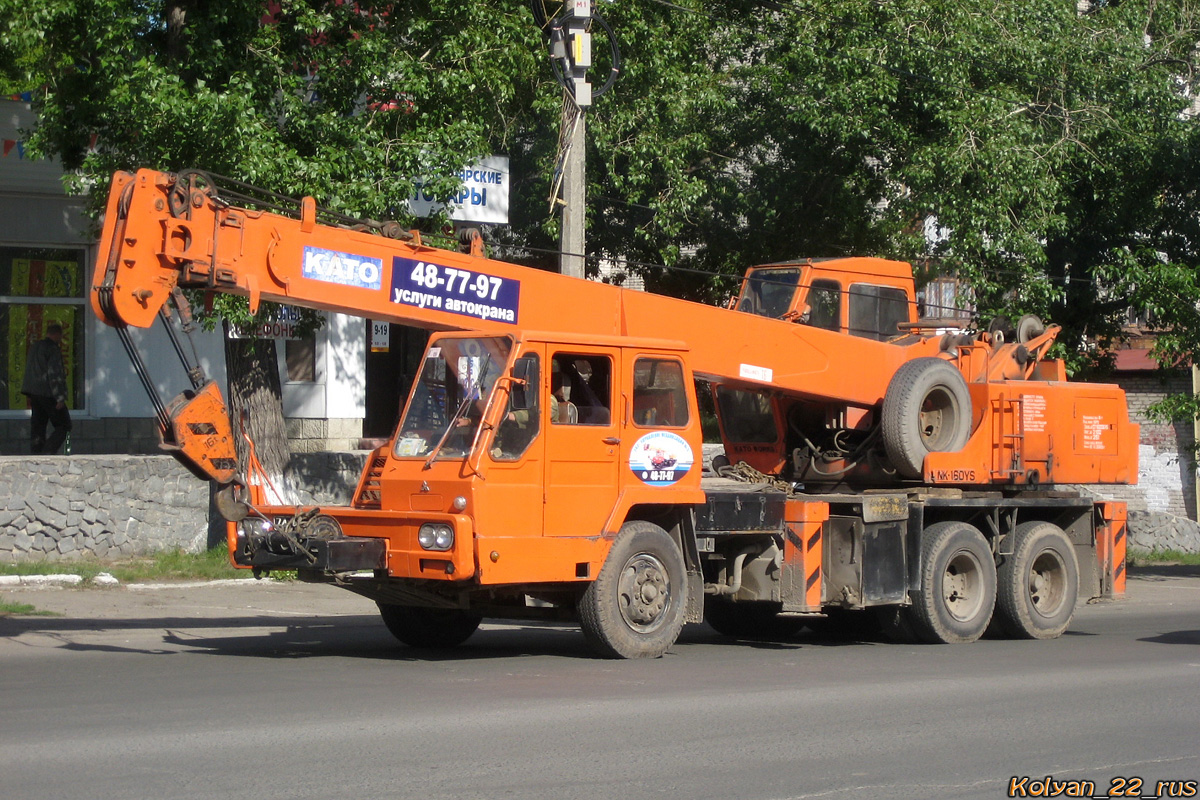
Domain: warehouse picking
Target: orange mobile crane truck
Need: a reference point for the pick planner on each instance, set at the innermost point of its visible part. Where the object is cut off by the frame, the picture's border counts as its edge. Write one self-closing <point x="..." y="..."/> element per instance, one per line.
<point x="547" y="463"/>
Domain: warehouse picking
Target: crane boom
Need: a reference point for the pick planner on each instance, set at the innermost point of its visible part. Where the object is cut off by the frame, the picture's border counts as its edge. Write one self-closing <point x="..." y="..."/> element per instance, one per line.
<point x="862" y="375"/>
<point x="161" y="233"/>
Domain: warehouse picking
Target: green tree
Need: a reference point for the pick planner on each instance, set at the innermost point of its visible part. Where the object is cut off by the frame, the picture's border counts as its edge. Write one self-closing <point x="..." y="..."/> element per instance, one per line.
<point x="343" y="101"/>
<point x="1052" y="151"/>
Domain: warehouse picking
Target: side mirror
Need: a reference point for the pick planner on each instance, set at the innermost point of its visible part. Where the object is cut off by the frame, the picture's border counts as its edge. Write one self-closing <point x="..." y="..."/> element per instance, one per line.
<point x="518" y="399"/>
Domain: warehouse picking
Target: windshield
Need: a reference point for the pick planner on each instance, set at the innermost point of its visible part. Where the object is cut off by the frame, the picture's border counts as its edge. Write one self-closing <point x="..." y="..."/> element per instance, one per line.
<point x="768" y="293"/>
<point x="456" y="381"/>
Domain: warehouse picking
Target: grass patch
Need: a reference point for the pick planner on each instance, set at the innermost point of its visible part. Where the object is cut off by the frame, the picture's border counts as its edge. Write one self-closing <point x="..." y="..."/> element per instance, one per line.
<point x="8" y="609"/>
<point x="1163" y="557"/>
<point x="174" y="565"/>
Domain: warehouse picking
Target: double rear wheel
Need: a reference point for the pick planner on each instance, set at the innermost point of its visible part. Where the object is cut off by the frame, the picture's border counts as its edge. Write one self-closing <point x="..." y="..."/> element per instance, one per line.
<point x="1030" y="595"/>
<point x="1039" y="583"/>
<point x="958" y="585"/>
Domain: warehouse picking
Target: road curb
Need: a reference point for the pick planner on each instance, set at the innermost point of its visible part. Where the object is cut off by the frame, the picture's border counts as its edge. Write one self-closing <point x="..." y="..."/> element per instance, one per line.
<point x="34" y="581"/>
<point x="104" y="580"/>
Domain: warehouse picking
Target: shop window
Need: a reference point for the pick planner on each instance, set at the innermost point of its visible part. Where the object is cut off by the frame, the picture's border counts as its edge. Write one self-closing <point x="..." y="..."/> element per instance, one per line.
<point x="300" y="355"/>
<point x="39" y="286"/>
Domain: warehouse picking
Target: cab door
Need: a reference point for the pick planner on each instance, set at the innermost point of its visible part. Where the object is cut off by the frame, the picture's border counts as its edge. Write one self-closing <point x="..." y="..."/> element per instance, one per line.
<point x="509" y="501"/>
<point x="582" y="440"/>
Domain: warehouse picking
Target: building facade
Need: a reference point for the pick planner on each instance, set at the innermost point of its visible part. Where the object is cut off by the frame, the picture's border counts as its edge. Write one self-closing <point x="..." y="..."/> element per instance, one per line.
<point x="47" y="253"/>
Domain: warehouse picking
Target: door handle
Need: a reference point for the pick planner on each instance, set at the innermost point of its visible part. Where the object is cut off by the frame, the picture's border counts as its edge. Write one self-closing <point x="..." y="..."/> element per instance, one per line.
<point x="611" y="440"/>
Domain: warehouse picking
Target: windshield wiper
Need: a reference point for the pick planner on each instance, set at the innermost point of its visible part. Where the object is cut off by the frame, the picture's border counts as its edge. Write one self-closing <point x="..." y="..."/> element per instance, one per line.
<point x="462" y="409"/>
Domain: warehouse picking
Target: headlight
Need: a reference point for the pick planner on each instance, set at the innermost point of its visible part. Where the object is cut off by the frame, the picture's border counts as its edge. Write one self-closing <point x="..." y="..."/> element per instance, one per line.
<point x="436" y="536"/>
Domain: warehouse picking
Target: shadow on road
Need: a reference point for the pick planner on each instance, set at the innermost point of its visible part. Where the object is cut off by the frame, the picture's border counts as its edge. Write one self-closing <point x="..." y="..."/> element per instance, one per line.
<point x="1174" y="637"/>
<point x="355" y="636"/>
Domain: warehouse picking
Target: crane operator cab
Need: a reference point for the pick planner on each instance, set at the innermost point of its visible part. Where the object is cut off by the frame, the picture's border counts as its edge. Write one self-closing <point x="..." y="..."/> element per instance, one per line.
<point x="866" y="297"/>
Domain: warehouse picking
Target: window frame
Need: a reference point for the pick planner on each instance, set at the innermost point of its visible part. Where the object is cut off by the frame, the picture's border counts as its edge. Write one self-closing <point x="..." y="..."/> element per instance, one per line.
<point x="80" y="356"/>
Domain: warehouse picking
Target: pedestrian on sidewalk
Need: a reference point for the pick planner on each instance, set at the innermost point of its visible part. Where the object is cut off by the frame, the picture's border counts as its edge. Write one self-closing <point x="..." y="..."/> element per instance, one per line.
<point x="45" y="385"/>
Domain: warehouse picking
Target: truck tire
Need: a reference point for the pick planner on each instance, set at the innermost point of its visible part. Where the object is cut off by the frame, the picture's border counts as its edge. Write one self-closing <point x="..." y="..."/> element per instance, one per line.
<point x="433" y="628"/>
<point x="636" y="606"/>
<point x="958" y="585"/>
<point x="760" y="621"/>
<point x="926" y="409"/>
<point x="1038" y="585"/>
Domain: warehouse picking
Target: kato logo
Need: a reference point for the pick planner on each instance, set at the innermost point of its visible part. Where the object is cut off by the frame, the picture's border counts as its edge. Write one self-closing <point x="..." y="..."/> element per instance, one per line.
<point x="346" y="269"/>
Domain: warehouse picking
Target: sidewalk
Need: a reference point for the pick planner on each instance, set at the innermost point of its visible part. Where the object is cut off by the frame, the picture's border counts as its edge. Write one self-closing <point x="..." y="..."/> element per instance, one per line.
<point x="249" y="598"/>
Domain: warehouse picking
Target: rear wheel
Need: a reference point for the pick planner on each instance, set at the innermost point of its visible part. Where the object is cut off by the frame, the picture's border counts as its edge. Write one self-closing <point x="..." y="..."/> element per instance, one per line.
<point x="438" y="628"/>
<point x="636" y="606"/>
<point x="958" y="584"/>
<point x="1038" y="583"/>
<point x="749" y="620"/>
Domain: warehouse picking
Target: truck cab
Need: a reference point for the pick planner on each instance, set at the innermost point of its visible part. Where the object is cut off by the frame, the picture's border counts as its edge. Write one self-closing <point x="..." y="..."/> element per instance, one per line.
<point x="516" y="462"/>
<point x="865" y="297"/>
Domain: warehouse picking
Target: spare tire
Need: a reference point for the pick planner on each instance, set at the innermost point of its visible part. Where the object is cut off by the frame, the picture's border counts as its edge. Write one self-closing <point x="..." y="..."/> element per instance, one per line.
<point x="927" y="409"/>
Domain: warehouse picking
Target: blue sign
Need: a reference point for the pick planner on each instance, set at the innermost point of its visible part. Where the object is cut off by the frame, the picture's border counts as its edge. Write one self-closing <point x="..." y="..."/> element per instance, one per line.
<point x="346" y="269"/>
<point x="454" y="289"/>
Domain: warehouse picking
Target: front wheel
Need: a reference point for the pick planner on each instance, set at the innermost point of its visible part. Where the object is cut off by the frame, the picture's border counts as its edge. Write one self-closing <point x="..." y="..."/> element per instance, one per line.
<point x="1038" y="583"/>
<point x="958" y="585"/>
<point x="435" y="628"/>
<point x="636" y="606"/>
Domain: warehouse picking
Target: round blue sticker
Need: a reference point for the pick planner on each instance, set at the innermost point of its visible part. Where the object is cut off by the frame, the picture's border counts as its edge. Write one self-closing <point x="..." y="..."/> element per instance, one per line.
<point x="660" y="458"/>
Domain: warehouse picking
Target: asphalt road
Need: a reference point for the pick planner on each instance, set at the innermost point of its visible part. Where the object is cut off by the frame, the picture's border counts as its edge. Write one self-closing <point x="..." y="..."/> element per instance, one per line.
<point x="295" y="691"/>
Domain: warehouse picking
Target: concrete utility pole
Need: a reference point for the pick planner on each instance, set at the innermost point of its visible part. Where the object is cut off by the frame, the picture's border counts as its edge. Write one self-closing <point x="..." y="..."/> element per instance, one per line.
<point x="574" y="217"/>
<point x="578" y="52"/>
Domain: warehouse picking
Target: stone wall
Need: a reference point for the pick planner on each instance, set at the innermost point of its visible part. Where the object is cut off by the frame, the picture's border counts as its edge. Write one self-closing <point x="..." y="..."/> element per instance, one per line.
<point x="139" y="436"/>
<point x="60" y="508"/>
<point x="326" y="478"/>
<point x="1166" y="468"/>
<point x="66" y="507"/>
<point x="122" y="436"/>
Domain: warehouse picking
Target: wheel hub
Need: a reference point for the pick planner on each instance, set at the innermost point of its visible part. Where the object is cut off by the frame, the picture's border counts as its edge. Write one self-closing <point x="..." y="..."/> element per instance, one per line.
<point x="961" y="590"/>
<point x="1047" y="581"/>
<point x="645" y="592"/>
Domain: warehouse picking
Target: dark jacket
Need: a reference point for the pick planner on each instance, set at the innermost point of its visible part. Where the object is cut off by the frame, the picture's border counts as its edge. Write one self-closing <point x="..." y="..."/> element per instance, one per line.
<point x="44" y="372"/>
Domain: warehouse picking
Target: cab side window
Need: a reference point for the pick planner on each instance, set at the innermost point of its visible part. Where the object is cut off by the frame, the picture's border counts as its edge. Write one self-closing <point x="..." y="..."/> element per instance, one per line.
<point x="522" y="421"/>
<point x="659" y="398"/>
<point x="824" y="305"/>
<point x="581" y="389"/>
<point x="877" y="311"/>
<point x="747" y="416"/>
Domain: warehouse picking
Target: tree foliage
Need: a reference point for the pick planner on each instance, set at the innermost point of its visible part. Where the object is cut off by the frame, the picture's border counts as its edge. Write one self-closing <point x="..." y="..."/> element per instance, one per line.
<point x="1046" y="156"/>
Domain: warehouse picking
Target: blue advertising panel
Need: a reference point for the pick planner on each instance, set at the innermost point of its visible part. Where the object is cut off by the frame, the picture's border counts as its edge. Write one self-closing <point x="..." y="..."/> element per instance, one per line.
<point x="454" y="289"/>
